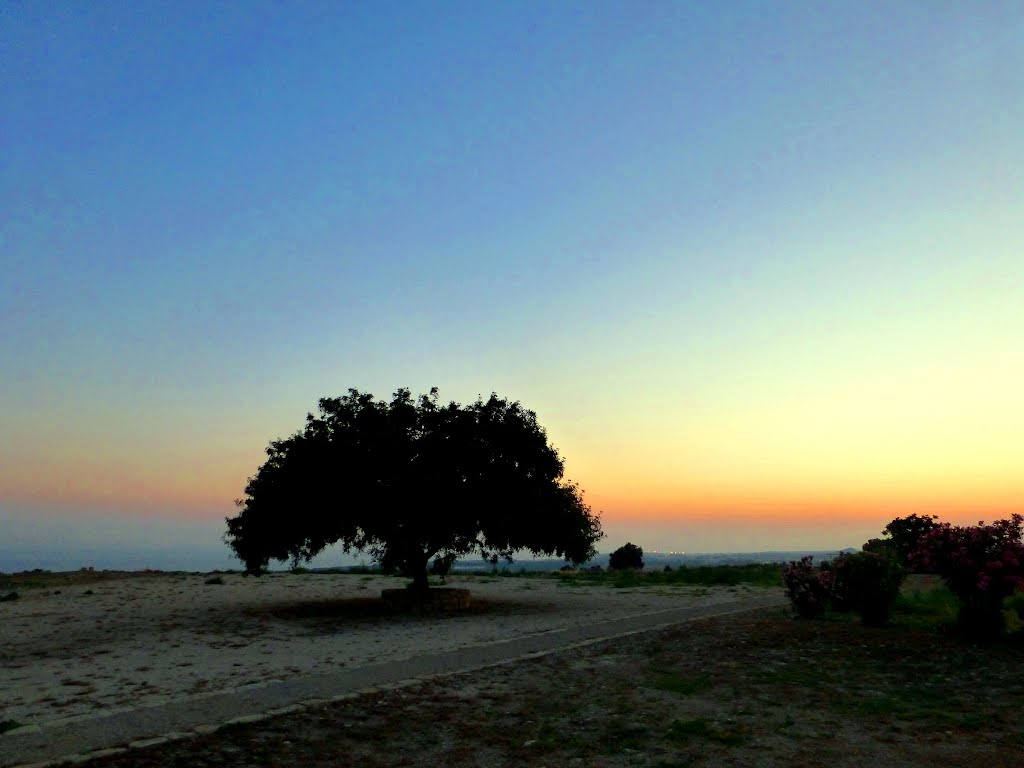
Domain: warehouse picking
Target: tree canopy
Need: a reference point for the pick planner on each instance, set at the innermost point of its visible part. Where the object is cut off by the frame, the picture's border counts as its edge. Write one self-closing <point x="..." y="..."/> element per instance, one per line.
<point x="629" y="555"/>
<point x="409" y="479"/>
<point x="904" y="534"/>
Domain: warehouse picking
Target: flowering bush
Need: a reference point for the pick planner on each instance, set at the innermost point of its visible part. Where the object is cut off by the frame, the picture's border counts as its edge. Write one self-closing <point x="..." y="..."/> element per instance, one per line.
<point x="807" y="587"/>
<point x="981" y="564"/>
<point x="867" y="582"/>
<point x="903" y="535"/>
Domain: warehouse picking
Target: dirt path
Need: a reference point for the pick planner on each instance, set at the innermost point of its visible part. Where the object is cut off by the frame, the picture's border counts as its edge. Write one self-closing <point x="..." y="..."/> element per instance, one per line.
<point x="506" y="624"/>
<point x="95" y="647"/>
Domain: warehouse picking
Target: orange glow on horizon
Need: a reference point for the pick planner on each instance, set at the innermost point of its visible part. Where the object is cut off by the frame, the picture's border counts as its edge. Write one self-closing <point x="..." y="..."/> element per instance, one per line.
<point x="204" y="485"/>
<point x="821" y="508"/>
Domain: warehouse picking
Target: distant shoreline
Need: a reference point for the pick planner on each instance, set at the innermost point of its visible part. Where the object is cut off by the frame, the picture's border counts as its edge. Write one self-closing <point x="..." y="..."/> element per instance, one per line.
<point x="17" y="561"/>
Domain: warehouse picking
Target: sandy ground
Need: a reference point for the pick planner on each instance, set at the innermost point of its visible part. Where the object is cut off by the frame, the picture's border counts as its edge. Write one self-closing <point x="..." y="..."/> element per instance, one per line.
<point x="85" y="649"/>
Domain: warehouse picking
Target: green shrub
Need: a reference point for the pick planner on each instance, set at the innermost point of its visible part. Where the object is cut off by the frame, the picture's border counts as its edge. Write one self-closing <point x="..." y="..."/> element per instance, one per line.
<point x="982" y="565"/>
<point x="1013" y="613"/>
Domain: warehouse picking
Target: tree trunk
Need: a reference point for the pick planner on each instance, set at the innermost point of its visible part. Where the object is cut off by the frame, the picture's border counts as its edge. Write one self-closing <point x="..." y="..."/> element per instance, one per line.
<point x="420" y="582"/>
<point x="416" y="565"/>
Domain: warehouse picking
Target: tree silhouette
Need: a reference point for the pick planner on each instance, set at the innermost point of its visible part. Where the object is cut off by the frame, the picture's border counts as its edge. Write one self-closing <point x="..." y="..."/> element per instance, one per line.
<point x="904" y="534"/>
<point x="411" y="479"/>
<point x="627" y="556"/>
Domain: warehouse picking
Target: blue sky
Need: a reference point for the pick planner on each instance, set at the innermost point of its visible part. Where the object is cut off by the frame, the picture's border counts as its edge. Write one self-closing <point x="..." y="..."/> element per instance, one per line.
<point x="666" y="227"/>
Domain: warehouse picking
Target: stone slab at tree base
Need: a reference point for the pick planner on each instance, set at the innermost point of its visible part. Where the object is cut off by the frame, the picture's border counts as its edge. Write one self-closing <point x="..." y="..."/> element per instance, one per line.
<point x="436" y="600"/>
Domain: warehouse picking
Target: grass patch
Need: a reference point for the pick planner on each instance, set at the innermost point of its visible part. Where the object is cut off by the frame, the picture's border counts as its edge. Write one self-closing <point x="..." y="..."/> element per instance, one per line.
<point x="925" y="608"/>
<point x="9" y="725"/>
<point x="620" y="734"/>
<point x="757" y="574"/>
<point x="701" y="728"/>
<point x="683" y="685"/>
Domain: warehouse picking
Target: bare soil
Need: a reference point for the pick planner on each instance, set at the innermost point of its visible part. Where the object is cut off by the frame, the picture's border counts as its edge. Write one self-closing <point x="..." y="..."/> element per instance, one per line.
<point x="137" y="640"/>
<point x="760" y="690"/>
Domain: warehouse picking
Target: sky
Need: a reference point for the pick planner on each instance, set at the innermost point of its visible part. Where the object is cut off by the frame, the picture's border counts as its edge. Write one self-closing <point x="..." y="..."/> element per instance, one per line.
<point x="758" y="267"/>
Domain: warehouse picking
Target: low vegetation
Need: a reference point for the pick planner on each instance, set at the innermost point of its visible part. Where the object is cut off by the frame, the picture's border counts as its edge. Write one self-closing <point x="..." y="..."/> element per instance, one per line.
<point x="981" y="565"/>
<point x="755" y="574"/>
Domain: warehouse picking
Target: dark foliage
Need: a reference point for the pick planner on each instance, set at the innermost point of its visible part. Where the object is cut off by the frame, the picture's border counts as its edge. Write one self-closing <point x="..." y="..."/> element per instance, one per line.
<point x="9" y="725"/>
<point x="761" y="574"/>
<point x="627" y="556"/>
<point x="808" y="588"/>
<point x="982" y="565"/>
<point x="442" y="566"/>
<point x="411" y="479"/>
<point x="868" y="583"/>
<point x="903" y="535"/>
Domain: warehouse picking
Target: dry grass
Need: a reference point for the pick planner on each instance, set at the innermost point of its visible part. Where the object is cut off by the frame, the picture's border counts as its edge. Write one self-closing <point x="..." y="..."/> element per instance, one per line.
<point x="40" y="579"/>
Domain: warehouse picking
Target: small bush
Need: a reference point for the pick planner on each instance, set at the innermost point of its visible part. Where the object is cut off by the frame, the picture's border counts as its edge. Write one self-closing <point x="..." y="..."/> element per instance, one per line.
<point x="627" y="556"/>
<point x="1016" y="604"/>
<point x="868" y="583"/>
<point x="9" y="597"/>
<point x="1013" y="613"/>
<point x="214" y="580"/>
<point x="442" y="566"/>
<point x="808" y="588"/>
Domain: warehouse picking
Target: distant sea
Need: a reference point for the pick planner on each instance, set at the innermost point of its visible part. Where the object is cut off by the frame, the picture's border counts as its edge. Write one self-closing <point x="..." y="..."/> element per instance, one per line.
<point x="110" y="559"/>
<point x="205" y="560"/>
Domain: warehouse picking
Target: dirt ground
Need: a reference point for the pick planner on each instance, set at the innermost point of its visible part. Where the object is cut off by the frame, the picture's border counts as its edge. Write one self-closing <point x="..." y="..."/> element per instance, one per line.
<point x="759" y="690"/>
<point x="89" y="643"/>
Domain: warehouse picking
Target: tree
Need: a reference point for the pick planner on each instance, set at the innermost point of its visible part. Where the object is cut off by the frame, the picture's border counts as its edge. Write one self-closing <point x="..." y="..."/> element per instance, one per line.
<point x="627" y="556"/>
<point x="904" y="534"/>
<point x="411" y="479"/>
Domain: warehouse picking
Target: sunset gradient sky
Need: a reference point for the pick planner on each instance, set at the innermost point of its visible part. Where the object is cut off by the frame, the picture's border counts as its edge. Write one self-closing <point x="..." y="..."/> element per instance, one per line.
<point x="757" y="266"/>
